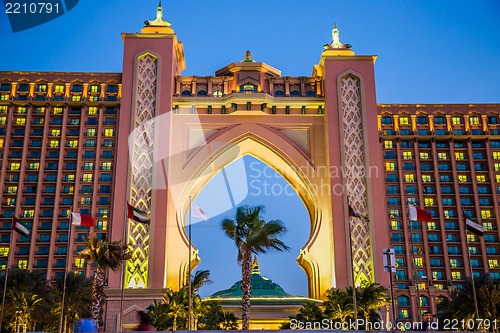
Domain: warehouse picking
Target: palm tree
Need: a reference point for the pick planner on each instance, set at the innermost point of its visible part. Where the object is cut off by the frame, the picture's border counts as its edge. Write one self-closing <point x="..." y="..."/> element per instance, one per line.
<point x="78" y="297"/>
<point x="252" y="235"/>
<point x="106" y="255"/>
<point x="229" y="322"/>
<point x="372" y="296"/>
<point x="338" y="304"/>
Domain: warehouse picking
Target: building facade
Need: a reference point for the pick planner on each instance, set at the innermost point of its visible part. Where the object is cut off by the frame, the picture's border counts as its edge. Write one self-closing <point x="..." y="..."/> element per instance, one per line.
<point x="66" y="145"/>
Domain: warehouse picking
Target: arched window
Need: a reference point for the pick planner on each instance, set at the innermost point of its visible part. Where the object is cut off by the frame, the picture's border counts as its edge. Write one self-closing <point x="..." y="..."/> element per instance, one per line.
<point x="186" y="93"/>
<point x="403" y="301"/>
<point x="310" y="93"/>
<point x="248" y="88"/>
<point x="279" y="93"/>
<point x="295" y="93"/>
<point x="202" y="93"/>
<point x="217" y="93"/>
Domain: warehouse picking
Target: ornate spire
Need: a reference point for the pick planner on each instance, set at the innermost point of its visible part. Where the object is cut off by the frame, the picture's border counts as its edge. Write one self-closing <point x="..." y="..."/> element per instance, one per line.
<point x="158" y="21"/>
<point x="255" y="265"/>
<point x="336" y="43"/>
<point x="248" y="57"/>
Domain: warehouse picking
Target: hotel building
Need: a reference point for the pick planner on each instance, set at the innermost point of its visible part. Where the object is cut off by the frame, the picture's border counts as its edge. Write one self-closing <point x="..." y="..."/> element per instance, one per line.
<point x="64" y="147"/>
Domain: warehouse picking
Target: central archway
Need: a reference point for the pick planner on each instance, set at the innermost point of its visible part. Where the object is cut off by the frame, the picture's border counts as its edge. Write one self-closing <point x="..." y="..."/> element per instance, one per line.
<point x="316" y="257"/>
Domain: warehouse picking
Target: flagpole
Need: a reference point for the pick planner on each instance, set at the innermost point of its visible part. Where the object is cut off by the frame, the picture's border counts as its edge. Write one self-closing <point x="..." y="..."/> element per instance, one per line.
<point x="124" y="271"/>
<point x="414" y="266"/>
<point x="472" y="275"/>
<point x="190" y="304"/>
<point x="6" y="275"/>
<point x="354" y="302"/>
<point x="61" y="319"/>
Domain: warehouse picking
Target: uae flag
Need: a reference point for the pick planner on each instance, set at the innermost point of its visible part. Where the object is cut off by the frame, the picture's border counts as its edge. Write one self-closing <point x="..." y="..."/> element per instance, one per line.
<point x="473" y="227"/>
<point x="17" y="226"/>
<point x="137" y="215"/>
<point x="196" y="211"/>
<point x="417" y="214"/>
<point x="82" y="220"/>
<point x="354" y="213"/>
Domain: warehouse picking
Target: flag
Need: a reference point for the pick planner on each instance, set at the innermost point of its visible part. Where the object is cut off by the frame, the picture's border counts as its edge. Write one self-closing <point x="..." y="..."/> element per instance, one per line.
<point x="17" y="226"/>
<point x="473" y="227"/>
<point x="353" y="213"/>
<point x="82" y="220"/>
<point x="417" y="214"/>
<point x="198" y="212"/>
<point x="137" y="215"/>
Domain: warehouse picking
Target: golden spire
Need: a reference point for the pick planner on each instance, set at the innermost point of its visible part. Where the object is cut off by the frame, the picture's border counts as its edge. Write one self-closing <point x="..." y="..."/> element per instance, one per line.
<point x="255" y="265"/>
<point x="336" y="43"/>
<point x="158" y="21"/>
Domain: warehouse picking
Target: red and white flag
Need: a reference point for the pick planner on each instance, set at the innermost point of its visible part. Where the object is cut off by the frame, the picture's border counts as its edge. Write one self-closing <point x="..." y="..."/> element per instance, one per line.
<point x="82" y="220"/>
<point x="19" y="227"/>
<point x="198" y="212"/>
<point x="417" y="214"/>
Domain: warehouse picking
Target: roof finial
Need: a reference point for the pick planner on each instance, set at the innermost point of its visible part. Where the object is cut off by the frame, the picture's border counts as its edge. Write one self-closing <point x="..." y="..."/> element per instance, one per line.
<point x="336" y="43"/>
<point x="255" y="265"/>
<point x="248" y="57"/>
<point x="158" y="21"/>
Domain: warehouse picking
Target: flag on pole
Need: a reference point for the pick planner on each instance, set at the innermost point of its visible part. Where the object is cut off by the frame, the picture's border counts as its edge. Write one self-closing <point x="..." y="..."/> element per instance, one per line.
<point x="82" y="220"/>
<point x="137" y="214"/>
<point x="354" y="213"/>
<point x="17" y="226"/>
<point x="473" y="227"/>
<point x="198" y="212"/>
<point x="417" y="214"/>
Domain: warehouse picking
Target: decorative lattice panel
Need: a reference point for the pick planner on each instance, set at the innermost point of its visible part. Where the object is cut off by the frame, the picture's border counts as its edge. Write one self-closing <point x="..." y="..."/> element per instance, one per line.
<point x="142" y="168"/>
<point x="355" y="176"/>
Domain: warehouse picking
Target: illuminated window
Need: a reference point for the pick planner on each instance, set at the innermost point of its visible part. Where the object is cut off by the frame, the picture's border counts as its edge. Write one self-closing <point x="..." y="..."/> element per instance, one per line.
<point x="3" y="120"/>
<point x="388" y="144"/>
<point x="22" y="109"/>
<point x="390" y="166"/>
<point x="419" y="262"/>
<point x="480" y="178"/>
<point x="59" y="88"/>
<point x="4" y="251"/>
<point x="442" y="156"/>
<point x="456" y="120"/>
<point x="90" y="132"/>
<point x="426" y="178"/>
<point x="87" y="177"/>
<point x="485" y="213"/>
<point x="394" y="212"/>
<point x="431" y="226"/>
<point x="456" y="276"/>
<point x="79" y="263"/>
<point x="102" y="225"/>
<point x="404" y="121"/>
<point x="72" y="143"/>
<point x="94" y="88"/>
<point x="92" y="110"/>
<point x="497" y="166"/>
<point x="459" y="156"/>
<point x="76" y="98"/>
<point x="106" y="166"/>
<point x="54" y="143"/>
<point x="29" y="213"/>
<point x="85" y="201"/>
<point x="496" y="155"/>
<point x="462" y="178"/>
<point x="34" y="166"/>
<point x="422" y="286"/>
<point x="55" y="132"/>
<point x="20" y="121"/>
<point x="40" y="110"/>
<point x="488" y="226"/>
<point x="69" y="177"/>
<point x="404" y="314"/>
<point x="424" y="156"/>
<point x="22" y="263"/>
<point x="454" y="263"/>
<point x="471" y="237"/>
<point x="93" y="98"/>
<point x="1" y="142"/>
<point x="15" y="166"/>
<point x="41" y="87"/>
<point x="428" y="201"/>
<point x="11" y="201"/>
<point x="474" y="120"/>
<point x="217" y="93"/>
<point x="395" y="225"/>
<point x="88" y="165"/>
<point x="407" y="155"/>
<point x="493" y="263"/>
<point x="109" y="132"/>
<point x="3" y="108"/>
<point x="102" y="212"/>
<point x="58" y="110"/>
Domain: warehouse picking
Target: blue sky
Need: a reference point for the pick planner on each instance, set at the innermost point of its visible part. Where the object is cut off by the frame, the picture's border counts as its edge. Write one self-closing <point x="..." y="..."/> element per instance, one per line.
<point x="445" y="51"/>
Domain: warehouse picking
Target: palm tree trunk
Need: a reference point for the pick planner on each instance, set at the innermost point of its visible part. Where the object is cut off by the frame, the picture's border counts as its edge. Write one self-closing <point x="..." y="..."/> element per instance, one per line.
<point x="246" y="277"/>
<point x="98" y="294"/>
